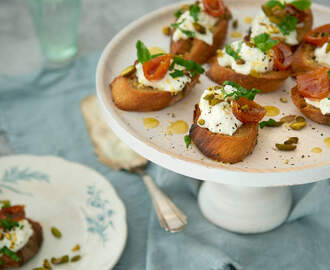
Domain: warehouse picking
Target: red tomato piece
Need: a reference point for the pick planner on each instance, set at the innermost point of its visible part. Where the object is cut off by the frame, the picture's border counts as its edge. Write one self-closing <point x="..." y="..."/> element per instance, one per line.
<point x="319" y="35"/>
<point x="156" y="68"/>
<point x="282" y="56"/>
<point x="215" y="8"/>
<point x="16" y="212"/>
<point x="314" y="84"/>
<point x="248" y="111"/>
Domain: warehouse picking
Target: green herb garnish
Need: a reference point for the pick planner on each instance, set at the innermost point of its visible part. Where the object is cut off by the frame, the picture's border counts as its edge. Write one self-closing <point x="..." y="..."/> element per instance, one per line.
<point x="329" y="74"/>
<point x="178" y="13"/>
<point x="301" y="4"/>
<point x="233" y="53"/>
<point x="270" y="123"/>
<point x="186" y="32"/>
<point x="288" y="24"/>
<point x="264" y="42"/>
<point x="143" y="53"/>
<point x="241" y="91"/>
<point x="194" y="11"/>
<point x="273" y="3"/>
<point x="1" y="262"/>
<point x="177" y="73"/>
<point x="190" y="65"/>
<point x="7" y="223"/>
<point x="187" y="140"/>
<point x="5" y="204"/>
<point x="11" y="254"/>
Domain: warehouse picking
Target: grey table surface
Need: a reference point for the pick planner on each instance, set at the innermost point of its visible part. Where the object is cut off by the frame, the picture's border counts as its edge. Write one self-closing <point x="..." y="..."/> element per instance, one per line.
<point x="100" y="21"/>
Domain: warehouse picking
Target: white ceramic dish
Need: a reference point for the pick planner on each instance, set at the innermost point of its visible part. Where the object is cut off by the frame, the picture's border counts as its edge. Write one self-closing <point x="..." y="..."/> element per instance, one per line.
<point x="265" y="167"/>
<point x="75" y="199"/>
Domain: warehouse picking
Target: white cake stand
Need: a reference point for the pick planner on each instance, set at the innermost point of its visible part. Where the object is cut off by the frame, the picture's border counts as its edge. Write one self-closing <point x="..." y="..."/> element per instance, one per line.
<point x="252" y="196"/>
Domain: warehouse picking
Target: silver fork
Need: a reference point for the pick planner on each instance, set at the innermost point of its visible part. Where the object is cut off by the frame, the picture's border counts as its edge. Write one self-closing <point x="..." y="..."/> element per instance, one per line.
<point x="170" y="217"/>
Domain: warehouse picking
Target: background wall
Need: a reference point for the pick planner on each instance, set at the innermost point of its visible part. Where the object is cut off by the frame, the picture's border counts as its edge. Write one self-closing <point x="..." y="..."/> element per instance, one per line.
<point x="100" y="21"/>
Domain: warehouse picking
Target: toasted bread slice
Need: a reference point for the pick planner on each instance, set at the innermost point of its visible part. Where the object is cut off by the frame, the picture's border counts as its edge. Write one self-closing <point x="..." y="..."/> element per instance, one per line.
<point x="128" y="96"/>
<point x="199" y="51"/>
<point x="310" y="111"/>
<point x="304" y="59"/>
<point x="221" y="147"/>
<point x="266" y="82"/>
<point x="29" y="250"/>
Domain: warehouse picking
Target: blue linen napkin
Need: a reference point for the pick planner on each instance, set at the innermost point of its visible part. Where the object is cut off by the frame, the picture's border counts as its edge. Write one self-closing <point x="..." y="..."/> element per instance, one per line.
<point x="39" y="114"/>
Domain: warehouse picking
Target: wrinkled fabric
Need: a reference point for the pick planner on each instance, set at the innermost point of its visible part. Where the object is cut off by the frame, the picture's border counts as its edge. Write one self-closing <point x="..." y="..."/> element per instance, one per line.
<point x="40" y="114"/>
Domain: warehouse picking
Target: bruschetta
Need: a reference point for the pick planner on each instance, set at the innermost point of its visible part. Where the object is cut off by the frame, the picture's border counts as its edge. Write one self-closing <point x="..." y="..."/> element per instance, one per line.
<point x="154" y="81"/>
<point x="285" y="21"/>
<point x="225" y="122"/>
<point x="199" y="30"/>
<point x="260" y="62"/>
<point x="20" y="237"/>
<point x="311" y="95"/>
<point x="314" y="52"/>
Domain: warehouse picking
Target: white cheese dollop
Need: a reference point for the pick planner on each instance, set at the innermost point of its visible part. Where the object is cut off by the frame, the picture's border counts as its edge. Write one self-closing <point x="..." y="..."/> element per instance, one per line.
<point x="218" y="118"/>
<point x="186" y="23"/>
<point x="167" y="83"/>
<point x="322" y="104"/>
<point x="322" y="56"/>
<point x="261" y="24"/>
<point x="254" y="59"/>
<point x="19" y="236"/>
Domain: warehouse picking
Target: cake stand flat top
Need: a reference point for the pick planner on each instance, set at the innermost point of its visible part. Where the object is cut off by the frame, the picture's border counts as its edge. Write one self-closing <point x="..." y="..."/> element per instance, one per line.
<point x="266" y="166"/>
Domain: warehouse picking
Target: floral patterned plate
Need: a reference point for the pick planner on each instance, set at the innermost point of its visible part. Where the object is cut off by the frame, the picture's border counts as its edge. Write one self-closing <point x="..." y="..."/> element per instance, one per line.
<point x="80" y="202"/>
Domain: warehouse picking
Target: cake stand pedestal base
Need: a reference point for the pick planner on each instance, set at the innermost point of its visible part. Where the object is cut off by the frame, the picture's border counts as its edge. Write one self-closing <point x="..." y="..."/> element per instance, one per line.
<point x="245" y="209"/>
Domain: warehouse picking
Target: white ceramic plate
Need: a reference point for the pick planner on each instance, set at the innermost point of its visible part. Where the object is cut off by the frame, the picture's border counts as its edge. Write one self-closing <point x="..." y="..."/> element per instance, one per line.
<point x="265" y="167"/>
<point x="75" y="199"/>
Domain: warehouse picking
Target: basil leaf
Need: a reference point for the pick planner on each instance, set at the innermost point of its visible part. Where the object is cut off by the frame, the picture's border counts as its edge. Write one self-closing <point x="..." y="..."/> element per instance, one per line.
<point x="264" y="42"/>
<point x="177" y="73"/>
<point x="7" y="223"/>
<point x="143" y="53"/>
<point x="190" y="65"/>
<point x="288" y="24"/>
<point x="6" y="251"/>
<point x="301" y="4"/>
<point x="194" y="11"/>
<point x="241" y="91"/>
<point x="188" y="33"/>
<point x="187" y="140"/>
<point x="229" y="50"/>
<point x="178" y="13"/>
<point x="273" y="3"/>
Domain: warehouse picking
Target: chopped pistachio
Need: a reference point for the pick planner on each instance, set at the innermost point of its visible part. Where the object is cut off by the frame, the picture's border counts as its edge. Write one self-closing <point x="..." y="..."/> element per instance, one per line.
<point x="298" y="125"/>
<point x="284" y="100"/>
<point x="235" y="24"/>
<point x="285" y="147"/>
<point x="128" y="71"/>
<point x="201" y="122"/>
<point x="56" y="232"/>
<point x="75" y="258"/>
<point x="166" y="30"/>
<point x="288" y="118"/>
<point x="300" y="119"/>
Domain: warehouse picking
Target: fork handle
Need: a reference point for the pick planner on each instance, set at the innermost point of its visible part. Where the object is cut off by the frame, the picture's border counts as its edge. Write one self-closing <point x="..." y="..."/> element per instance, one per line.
<point x="170" y="217"/>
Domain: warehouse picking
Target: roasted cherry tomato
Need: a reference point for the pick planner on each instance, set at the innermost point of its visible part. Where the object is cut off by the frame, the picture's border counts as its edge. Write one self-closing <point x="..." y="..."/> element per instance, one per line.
<point x="156" y="68"/>
<point x="314" y="84"/>
<point x="282" y="56"/>
<point x="248" y="111"/>
<point x="215" y="8"/>
<point x="16" y="212"/>
<point x="319" y="35"/>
